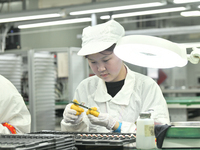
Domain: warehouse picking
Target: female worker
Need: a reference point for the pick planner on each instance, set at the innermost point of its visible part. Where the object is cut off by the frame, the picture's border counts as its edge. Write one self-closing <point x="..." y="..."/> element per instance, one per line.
<point x="14" y="115"/>
<point x="118" y="93"/>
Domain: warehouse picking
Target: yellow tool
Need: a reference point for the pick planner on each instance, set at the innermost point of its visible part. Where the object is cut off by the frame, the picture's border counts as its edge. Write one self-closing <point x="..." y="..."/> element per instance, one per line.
<point x="92" y="111"/>
<point x="81" y="105"/>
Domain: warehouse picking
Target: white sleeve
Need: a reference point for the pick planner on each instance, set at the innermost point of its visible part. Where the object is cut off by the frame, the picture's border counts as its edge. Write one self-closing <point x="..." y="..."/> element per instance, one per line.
<point x="152" y="97"/>
<point x="4" y="130"/>
<point x="21" y="119"/>
<point x="13" y="110"/>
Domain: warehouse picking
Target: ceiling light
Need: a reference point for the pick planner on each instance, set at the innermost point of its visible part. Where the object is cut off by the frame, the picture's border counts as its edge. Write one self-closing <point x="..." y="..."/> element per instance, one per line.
<point x="136" y="6"/>
<point x="148" y="12"/>
<point x="165" y="31"/>
<point x="52" y="23"/>
<point x="14" y="19"/>
<point x="185" y="1"/>
<point x="190" y="13"/>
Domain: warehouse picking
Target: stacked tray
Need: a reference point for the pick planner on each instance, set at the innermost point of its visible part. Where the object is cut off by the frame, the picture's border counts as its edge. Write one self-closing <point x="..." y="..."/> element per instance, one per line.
<point x="83" y="138"/>
<point x="36" y="142"/>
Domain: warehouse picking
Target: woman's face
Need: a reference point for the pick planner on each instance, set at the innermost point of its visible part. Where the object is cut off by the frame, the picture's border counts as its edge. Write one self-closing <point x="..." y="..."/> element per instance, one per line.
<point x="107" y="66"/>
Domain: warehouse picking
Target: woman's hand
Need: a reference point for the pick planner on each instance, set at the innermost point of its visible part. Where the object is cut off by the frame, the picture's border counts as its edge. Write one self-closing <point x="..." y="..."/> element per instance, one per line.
<point x="73" y="113"/>
<point x="102" y="119"/>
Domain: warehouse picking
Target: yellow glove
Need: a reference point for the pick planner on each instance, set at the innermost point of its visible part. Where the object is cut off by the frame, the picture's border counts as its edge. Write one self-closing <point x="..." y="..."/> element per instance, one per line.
<point x="93" y="112"/>
<point x="77" y="108"/>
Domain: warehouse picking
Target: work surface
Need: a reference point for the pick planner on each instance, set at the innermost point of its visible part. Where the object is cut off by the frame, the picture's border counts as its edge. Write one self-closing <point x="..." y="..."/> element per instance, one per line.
<point x="183" y="102"/>
<point x="48" y="139"/>
<point x="174" y="137"/>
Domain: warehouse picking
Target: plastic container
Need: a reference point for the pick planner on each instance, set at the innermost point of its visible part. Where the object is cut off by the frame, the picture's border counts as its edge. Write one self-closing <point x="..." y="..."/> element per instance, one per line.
<point x="145" y="136"/>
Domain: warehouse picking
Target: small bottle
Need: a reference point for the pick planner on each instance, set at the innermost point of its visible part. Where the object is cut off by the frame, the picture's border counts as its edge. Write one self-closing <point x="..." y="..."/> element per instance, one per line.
<point x="145" y="137"/>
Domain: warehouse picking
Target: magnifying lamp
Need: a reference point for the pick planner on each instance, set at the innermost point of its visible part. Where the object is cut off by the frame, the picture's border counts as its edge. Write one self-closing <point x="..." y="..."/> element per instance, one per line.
<point x="154" y="52"/>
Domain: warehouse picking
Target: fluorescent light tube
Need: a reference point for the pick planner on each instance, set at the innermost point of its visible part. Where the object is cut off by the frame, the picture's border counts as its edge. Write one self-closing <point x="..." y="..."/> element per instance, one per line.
<point x="14" y="19"/>
<point x="190" y="13"/>
<point x="148" y="12"/>
<point x="184" y="1"/>
<point x="52" y="23"/>
<point x="136" y="6"/>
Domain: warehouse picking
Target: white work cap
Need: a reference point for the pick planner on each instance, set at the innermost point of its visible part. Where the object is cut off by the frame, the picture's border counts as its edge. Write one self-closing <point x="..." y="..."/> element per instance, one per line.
<point x="100" y="37"/>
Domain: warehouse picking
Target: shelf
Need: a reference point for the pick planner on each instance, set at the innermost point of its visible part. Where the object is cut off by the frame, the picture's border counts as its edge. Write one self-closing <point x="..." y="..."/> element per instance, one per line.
<point x="183" y="102"/>
<point x="172" y="102"/>
<point x="165" y="91"/>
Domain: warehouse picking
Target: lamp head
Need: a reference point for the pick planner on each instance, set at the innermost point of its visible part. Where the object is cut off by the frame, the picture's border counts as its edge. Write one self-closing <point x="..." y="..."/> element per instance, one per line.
<point x="151" y="52"/>
<point x="194" y="57"/>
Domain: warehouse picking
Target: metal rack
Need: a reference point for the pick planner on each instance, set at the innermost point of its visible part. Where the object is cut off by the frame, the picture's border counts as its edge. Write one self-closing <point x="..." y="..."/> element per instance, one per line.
<point x="11" y="68"/>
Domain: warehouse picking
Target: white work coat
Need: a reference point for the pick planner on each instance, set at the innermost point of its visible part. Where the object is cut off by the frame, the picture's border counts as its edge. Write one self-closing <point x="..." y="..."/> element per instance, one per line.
<point x="138" y="94"/>
<point x="13" y="109"/>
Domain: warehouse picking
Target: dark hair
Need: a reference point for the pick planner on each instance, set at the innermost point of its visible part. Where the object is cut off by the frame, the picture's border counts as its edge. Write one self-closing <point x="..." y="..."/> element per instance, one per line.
<point x="107" y="51"/>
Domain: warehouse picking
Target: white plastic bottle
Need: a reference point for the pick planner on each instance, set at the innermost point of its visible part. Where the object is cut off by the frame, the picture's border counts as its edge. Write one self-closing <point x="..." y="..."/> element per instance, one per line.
<point x="145" y="137"/>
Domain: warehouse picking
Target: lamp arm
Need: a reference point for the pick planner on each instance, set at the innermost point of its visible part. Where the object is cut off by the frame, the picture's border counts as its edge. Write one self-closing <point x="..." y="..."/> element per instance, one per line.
<point x="194" y="57"/>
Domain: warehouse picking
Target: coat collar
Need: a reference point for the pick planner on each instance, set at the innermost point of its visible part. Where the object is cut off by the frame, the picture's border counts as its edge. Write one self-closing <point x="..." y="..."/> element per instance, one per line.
<point x="122" y="97"/>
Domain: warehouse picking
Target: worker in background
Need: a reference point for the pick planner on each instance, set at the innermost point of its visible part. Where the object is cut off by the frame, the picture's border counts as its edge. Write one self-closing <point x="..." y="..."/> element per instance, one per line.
<point x="14" y="115"/>
<point x="116" y="94"/>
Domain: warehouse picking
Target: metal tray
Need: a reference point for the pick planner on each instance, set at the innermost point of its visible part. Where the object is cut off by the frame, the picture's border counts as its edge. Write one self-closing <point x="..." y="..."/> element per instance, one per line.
<point x="86" y="138"/>
<point x="36" y="142"/>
